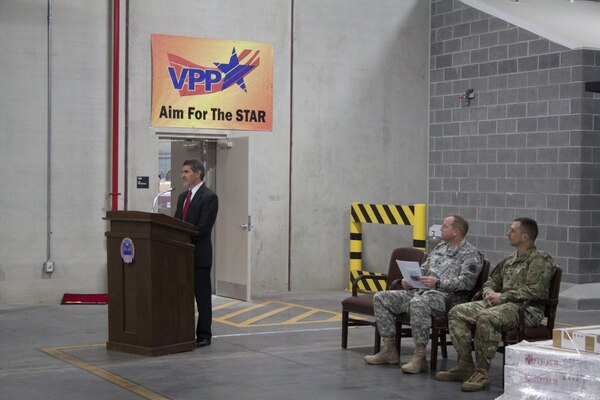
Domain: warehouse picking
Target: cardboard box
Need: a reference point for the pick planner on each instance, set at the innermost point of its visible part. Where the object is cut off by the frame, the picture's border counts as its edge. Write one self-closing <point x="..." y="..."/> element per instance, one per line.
<point x="579" y="338"/>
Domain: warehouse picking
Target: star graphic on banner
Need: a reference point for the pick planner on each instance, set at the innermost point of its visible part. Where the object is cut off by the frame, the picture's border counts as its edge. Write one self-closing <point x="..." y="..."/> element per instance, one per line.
<point x="234" y="72"/>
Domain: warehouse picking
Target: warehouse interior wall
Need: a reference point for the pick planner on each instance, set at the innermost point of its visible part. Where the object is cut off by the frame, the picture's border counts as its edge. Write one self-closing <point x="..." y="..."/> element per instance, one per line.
<point x="80" y="125"/>
<point x="350" y="124"/>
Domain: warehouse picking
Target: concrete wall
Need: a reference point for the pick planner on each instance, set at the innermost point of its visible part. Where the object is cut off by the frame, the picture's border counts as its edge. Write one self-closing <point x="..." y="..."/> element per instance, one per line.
<point x="80" y="126"/>
<point x="360" y="76"/>
<point x="358" y="132"/>
<point x="529" y="143"/>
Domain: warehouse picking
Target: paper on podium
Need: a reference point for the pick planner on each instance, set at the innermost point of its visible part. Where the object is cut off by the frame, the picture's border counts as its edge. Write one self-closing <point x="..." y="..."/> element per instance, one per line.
<point x="411" y="272"/>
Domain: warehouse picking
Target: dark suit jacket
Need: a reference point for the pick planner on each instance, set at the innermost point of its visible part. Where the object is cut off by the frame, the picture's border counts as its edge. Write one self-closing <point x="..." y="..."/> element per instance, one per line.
<point x="202" y="213"/>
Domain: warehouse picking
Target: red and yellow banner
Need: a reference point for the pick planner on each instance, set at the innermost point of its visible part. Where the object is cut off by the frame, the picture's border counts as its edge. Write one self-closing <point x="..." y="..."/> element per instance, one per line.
<point x="211" y="83"/>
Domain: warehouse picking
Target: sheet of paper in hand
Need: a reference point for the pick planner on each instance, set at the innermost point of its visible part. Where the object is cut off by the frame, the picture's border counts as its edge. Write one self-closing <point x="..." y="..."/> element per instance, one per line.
<point x="411" y="272"/>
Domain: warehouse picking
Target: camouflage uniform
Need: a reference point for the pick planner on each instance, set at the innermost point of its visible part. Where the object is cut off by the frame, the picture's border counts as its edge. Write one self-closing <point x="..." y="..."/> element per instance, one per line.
<point x="516" y="278"/>
<point x="456" y="270"/>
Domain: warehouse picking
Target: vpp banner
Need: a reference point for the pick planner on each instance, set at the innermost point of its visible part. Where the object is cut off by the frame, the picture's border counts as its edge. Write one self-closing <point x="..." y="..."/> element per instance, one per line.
<point x="210" y="83"/>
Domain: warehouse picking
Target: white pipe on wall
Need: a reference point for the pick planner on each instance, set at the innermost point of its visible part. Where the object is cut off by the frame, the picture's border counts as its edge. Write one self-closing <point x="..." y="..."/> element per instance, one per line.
<point x="49" y="148"/>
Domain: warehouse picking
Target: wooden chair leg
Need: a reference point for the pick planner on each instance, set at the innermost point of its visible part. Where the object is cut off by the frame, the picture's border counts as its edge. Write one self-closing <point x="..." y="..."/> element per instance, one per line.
<point x="503" y="362"/>
<point x="377" y="345"/>
<point x="398" y="337"/>
<point x="434" y="349"/>
<point x="444" y="344"/>
<point x="344" y="329"/>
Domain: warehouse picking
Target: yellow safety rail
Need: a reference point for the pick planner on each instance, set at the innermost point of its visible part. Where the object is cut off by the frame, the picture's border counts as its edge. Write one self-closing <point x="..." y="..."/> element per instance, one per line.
<point x="414" y="215"/>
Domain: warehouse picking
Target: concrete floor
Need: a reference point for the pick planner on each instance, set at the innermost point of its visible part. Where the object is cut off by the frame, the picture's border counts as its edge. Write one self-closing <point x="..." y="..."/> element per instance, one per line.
<point x="58" y="352"/>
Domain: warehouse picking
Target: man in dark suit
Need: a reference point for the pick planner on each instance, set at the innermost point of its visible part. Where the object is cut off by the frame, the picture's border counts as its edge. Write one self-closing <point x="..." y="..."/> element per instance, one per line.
<point x="198" y="206"/>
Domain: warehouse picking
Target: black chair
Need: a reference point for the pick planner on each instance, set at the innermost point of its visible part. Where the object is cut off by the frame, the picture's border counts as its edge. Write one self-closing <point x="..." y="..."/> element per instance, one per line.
<point x="363" y="303"/>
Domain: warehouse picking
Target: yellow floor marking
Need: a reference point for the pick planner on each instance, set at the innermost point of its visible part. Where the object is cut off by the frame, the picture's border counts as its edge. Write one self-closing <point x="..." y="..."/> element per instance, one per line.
<point x="300" y="317"/>
<point x="244" y="310"/>
<point x="102" y="373"/>
<point x="81" y="346"/>
<point x="225" y="305"/>
<point x="238" y="325"/>
<point x="265" y="315"/>
<point x="251" y="322"/>
<point x="225" y="322"/>
<point x="337" y="318"/>
<point x="564" y="324"/>
<point x="308" y="308"/>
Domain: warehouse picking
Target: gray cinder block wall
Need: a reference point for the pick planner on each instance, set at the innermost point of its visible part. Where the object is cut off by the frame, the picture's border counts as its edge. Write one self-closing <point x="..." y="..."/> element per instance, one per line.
<point x="528" y="144"/>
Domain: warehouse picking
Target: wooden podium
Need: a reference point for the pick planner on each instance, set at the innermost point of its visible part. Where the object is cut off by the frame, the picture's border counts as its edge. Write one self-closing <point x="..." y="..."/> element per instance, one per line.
<point x="150" y="284"/>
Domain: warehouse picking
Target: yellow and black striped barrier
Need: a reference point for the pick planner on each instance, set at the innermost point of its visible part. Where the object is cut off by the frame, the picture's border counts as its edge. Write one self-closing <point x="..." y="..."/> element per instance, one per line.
<point x="414" y="215"/>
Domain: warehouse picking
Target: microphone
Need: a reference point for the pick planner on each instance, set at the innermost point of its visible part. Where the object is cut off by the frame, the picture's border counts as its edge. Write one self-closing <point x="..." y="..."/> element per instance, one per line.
<point x="158" y="195"/>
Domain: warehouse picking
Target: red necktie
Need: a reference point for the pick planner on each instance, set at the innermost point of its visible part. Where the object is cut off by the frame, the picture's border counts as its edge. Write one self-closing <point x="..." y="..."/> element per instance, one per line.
<point x="187" y="203"/>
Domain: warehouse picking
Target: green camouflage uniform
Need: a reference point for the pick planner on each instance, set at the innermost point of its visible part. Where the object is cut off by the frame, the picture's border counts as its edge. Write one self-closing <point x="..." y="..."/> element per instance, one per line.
<point x="517" y="278"/>
<point x="456" y="270"/>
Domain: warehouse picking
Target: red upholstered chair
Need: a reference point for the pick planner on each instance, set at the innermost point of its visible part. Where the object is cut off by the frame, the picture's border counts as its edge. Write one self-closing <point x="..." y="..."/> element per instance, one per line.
<point x="439" y="324"/>
<point x="363" y="303"/>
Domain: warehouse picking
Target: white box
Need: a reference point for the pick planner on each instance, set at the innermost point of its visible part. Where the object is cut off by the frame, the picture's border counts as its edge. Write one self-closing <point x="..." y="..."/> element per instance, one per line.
<point x="580" y="338"/>
<point x="526" y="382"/>
<point x="544" y="356"/>
<point x="542" y="372"/>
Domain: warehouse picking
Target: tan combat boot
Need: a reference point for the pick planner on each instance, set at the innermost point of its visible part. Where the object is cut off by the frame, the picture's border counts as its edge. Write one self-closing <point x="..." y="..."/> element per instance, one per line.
<point x="418" y="363"/>
<point x="478" y="381"/>
<point x="387" y="355"/>
<point x="460" y="372"/>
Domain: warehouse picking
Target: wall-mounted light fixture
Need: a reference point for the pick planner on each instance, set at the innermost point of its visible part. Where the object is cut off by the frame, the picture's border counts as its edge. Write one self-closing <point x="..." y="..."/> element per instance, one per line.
<point x="467" y="97"/>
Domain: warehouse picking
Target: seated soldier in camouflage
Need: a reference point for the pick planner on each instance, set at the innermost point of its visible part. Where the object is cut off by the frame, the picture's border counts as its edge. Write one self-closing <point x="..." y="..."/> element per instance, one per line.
<point x="453" y="265"/>
<point x="525" y="275"/>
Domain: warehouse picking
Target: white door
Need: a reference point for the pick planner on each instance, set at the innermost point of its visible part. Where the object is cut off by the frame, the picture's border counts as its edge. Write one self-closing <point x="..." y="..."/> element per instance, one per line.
<point x="233" y="226"/>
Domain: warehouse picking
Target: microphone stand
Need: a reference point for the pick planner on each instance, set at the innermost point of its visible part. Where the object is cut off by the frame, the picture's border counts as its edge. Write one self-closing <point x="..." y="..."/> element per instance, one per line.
<point x="158" y="195"/>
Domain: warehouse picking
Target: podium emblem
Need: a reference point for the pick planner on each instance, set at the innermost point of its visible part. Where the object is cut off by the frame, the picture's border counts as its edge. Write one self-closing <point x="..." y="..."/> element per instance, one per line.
<point x="127" y="250"/>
